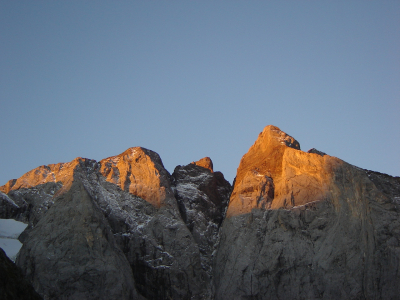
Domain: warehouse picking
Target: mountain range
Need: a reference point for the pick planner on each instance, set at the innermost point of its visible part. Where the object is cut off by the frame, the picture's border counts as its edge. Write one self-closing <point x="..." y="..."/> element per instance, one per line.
<point x="294" y="225"/>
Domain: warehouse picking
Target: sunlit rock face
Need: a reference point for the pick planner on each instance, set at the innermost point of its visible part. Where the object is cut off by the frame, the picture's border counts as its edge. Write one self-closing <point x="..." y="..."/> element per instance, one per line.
<point x="308" y="226"/>
<point x="79" y="227"/>
<point x="140" y="172"/>
<point x="275" y="173"/>
<point x="29" y="197"/>
<point x="61" y="172"/>
<point x="205" y="162"/>
<point x="296" y="225"/>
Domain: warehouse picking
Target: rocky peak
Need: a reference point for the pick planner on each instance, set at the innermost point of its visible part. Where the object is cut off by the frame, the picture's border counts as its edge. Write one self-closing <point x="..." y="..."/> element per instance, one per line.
<point x="307" y="226"/>
<point x="275" y="173"/>
<point x="140" y="172"/>
<point x="299" y="225"/>
<point x="60" y="172"/>
<point x="313" y="150"/>
<point x="205" y="162"/>
<point x="202" y="198"/>
<point x="29" y="197"/>
<point x="266" y="154"/>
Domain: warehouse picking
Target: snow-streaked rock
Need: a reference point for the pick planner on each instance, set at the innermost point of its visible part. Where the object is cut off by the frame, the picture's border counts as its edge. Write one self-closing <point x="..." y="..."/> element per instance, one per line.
<point x="71" y="253"/>
<point x="297" y="226"/>
<point x="158" y="247"/>
<point x="202" y="197"/>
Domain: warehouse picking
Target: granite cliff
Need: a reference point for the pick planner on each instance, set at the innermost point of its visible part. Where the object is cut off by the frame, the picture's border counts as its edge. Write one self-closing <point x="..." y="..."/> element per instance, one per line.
<point x="308" y="226"/>
<point x="294" y="225"/>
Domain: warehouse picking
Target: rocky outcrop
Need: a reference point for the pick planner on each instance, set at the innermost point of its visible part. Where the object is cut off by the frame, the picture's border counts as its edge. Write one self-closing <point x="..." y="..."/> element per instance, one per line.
<point x="74" y="241"/>
<point x="140" y="172"/>
<point x="205" y="162"/>
<point x="202" y="197"/>
<point x="96" y="226"/>
<point x="275" y="173"/>
<point x="8" y="208"/>
<point x="13" y="285"/>
<point x="32" y="194"/>
<point x="160" y="247"/>
<point x="296" y="225"/>
<point x="61" y="172"/>
<point x="305" y="226"/>
<point x="313" y="150"/>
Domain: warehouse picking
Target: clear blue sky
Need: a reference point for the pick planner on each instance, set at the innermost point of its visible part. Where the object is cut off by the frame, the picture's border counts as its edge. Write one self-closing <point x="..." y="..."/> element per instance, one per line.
<point x="189" y="79"/>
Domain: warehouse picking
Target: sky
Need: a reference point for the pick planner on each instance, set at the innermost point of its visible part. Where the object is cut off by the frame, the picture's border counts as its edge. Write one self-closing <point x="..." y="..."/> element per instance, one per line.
<point x="189" y="79"/>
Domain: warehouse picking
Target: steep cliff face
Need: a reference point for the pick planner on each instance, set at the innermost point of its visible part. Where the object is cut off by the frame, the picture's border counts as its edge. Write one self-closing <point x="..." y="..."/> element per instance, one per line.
<point x="74" y="241"/>
<point x="140" y="172"/>
<point x="275" y="174"/>
<point x="102" y="240"/>
<point x="202" y="197"/>
<point x="61" y="172"/>
<point x="307" y="226"/>
<point x="296" y="225"/>
<point x="13" y="286"/>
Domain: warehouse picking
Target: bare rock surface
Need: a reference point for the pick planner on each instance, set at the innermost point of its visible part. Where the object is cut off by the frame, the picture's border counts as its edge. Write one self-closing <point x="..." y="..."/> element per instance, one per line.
<point x="164" y="257"/>
<point x="205" y="162"/>
<point x="283" y="175"/>
<point x="74" y="241"/>
<point x="157" y="247"/>
<point x="61" y="172"/>
<point x="202" y="197"/>
<point x="337" y="237"/>
<point x="295" y="225"/>
<point x="140" y="172"/>
<point x="8" y="208"/>
<point x="13" y="285"/>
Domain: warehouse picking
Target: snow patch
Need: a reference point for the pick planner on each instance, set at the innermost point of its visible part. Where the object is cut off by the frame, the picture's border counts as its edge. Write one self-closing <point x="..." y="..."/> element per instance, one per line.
<point x="11" y="247"/>
<point x="11" y="229"/>
<point x="9" y="233"/>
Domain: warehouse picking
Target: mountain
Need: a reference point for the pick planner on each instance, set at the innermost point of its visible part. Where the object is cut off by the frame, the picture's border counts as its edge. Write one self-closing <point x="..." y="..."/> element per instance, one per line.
<point x="308" y="226"/>
<point x="294" y="225"/>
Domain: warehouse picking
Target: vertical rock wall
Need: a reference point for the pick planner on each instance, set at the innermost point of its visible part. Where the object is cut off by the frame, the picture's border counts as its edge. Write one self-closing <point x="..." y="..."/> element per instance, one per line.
<point x="296" y="225"/>
<point x="306" y="226"/>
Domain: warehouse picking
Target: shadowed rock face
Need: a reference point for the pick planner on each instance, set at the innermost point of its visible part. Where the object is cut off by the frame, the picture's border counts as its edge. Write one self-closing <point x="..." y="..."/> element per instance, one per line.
<point x="95" y="236"/>
<point x="307" y="226"/>
<point x="73" y="241"/>
<point x="202" y="197"/>
<point x="297" y="225"/>
<point x="13" y="285"/>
